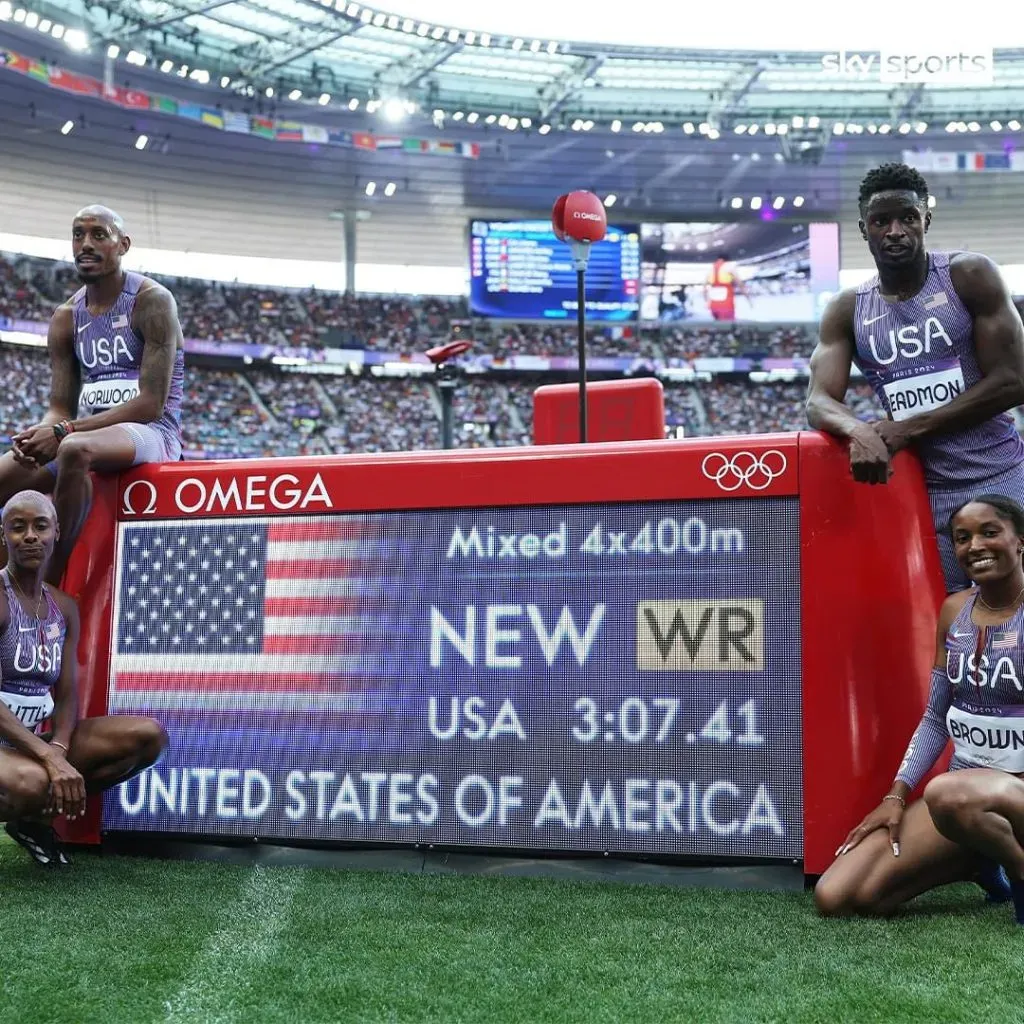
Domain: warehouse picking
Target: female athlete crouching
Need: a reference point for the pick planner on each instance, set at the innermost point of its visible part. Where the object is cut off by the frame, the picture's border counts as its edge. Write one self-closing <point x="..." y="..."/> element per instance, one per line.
<point x="41" y="776"/>
<point x="971" y="819"/>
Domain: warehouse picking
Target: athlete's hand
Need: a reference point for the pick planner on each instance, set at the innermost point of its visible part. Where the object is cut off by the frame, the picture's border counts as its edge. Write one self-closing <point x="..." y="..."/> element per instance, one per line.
<point x="893" y="434"/>
<point x="38" y="443"/>
<point x="869" y="456"/>
<point x="67" y="787"/>
<point x="888" y="815"/>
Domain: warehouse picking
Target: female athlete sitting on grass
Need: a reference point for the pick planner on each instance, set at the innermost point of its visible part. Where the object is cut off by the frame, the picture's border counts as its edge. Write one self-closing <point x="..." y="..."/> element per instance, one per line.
<point x="970" y="822"/>
<point x="44" y="774"/>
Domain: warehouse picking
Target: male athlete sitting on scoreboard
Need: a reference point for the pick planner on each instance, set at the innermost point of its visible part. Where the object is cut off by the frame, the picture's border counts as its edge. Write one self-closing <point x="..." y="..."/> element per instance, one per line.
<point x="969" y="820"/>
<point x="43" y="774"/>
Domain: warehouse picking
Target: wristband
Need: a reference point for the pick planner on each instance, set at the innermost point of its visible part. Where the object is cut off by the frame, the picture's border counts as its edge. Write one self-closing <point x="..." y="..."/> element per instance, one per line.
<point x="62" y="429"/>
<point x="57" y="743"/>
<point x="893" y="796"/>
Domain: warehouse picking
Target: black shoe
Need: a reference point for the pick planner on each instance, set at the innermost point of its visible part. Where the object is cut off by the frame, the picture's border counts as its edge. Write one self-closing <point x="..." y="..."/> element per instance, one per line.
<point x="993" y="879"/>
<point x="40" y="841"/>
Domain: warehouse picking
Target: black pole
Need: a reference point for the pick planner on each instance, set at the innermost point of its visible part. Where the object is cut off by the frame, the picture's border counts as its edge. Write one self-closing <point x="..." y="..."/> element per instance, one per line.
<point x="581" y="346"/>
<point x="447" y="389"/>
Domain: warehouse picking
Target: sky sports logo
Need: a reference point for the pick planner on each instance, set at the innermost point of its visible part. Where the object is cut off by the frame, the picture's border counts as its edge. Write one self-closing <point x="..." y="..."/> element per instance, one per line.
<point x="973" y="66"/>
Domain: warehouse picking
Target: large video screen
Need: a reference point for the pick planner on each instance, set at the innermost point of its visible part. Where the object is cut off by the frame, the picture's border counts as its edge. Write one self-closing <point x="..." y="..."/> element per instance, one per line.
<point x="519" y="269"/>
<point x="763" y="271"/>
<point x="593" y="678"/>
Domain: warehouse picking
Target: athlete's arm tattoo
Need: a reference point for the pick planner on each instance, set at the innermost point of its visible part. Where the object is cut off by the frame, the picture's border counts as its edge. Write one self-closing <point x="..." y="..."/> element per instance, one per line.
<point x="155" y="320"/>
<point x="65" y="373"/>
<point x="830" y="366"/>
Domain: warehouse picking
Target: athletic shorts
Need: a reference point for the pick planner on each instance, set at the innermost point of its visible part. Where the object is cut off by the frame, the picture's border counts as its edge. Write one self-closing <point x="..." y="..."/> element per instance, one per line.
<point x="151" y="445"/>
<point x="944" y="503"/>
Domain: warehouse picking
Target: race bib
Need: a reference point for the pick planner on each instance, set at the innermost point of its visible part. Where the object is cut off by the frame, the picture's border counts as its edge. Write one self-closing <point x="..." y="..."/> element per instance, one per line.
<point x="101" y="395"/>
<point x="29" y="710"/>
<point x="990" y="737"/>
<point x="931" y="390"/>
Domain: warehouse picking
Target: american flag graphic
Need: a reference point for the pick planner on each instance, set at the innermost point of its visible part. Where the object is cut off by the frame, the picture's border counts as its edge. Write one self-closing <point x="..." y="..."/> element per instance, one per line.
<point x="936" y="300"/>
<point x="257" y="614"/>
<point x="1004" y="640"/>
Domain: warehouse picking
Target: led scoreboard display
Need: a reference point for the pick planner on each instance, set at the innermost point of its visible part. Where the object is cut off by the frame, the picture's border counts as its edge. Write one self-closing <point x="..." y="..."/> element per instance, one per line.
<point x="597" y="677"/>
<point x="519" y="269"/>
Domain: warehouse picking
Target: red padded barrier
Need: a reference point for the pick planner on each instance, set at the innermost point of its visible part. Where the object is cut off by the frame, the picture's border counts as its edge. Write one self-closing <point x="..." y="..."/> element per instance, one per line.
<point x="617" y="410"/>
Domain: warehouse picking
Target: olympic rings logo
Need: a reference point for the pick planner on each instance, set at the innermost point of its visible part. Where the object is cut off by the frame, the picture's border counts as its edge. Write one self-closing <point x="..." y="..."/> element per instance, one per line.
<point x="756" y="471"/>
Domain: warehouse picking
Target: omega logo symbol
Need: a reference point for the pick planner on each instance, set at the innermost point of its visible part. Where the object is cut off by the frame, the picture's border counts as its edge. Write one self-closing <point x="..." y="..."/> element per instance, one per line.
<point x="142" y="487"/>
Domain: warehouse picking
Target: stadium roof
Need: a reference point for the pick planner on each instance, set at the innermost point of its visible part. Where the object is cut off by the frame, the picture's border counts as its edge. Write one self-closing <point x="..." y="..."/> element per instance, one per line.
<point x="343" y="51"/>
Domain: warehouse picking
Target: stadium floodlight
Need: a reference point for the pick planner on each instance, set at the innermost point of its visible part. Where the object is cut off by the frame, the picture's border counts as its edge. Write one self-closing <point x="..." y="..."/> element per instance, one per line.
<point x="778" y="202"/>
<point x="517" y="44"/>
<point x="393" y="22"/>
<point x="996" y="126"/>
<point x="544" y="129"/>
<point x="513" y="124"/>
<point x="535" y="46"/>
<point x="740" y="129"/>
<point x="31" y="19"/>
<point x="837" y="129"/>
<point x="225" y="81"/>
<point x="951" y="127"/>
<point x="587" y="125"/>
<point x="167" y="66"/>
<point x="782" y="129"/>
<point x="813" y="122"/>
<point x="974" y="126"/>
<point x="797" y="121"/>
<point x="422" y="29"/>
<point x="1013" y="125"/>
<point x="638" y="126"/>
<point x="714" y="134"/>
<point x="142" y="141"/>
<point x="884" y="129"/>
<point x="485" y="39"/>
<point x="755" y="202"/>
<point x="67" y="128"/>
<point x="931" y="202"/>
<point x="295" y="94"/>
<point x="904" y="128"/>
<point x="45" y="25"/>
<point x="371" y="187"/>
<point x="19" y="15"/>
<point x="472" y="117"/>
<point x="688" y="128"/>
<point x="352" y="10"/>
<point x="552" y="47"/>
<point x="457" y="116"/>
<point x="470" y="38"/>
<point x="769" y="129"/>
<point x="394" y="110"/>
<point x="135" y="57"/>
<point x="353" y="104"/>
<point x="657" y="127"/>
<point x="269" y="92"/>
<point x="616" y="125"/>
<point x="491" y="118"/>
<point x="6" y="10"/>
<point x="527" y="122"/>
<point x="378" y="19"/>
<point x="113" y="52"/>
<point x="200" y="75"/>
<point x="438" y="33"/>
<point x="502" y="121"/>
<point x="753" y="129"/>
<point x="58" y="31"/>
<point x="921" y="127"/>
<point x="610" y="200"/>
<point x="390" y="188"/>
<point x="736" y="203"/>
<point x="453" y="35"/>
<point x="409" y="26"/>
<point x="183" y="71"/>
<point x="76" y="39"/>
<point x="798" y="201"/>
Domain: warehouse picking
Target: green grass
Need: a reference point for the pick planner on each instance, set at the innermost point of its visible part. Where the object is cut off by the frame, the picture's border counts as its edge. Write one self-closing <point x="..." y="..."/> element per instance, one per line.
<point x="128" y="940"/>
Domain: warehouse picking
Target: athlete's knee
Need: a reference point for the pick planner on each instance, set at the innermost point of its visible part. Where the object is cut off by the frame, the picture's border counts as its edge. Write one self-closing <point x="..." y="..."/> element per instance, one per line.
<point x="74" y="454"/>
<point x="150" y="740"/>
<point x="832" y="898"/>
<point x="947" y="799"/>
<point x="23" y="785"/>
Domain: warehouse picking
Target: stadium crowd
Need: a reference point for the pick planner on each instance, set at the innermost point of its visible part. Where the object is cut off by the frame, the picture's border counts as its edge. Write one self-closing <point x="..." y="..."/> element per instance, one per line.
<point x="252" y="411"/>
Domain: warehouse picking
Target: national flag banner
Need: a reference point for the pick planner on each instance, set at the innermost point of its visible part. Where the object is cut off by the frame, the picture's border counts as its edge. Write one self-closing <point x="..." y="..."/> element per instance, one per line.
<point x="132" y="98"/>
<point x="339" y="138"/>
<point x="444" y="148"/>
<point x="265" y="614"/>
<point x="263" y="127"/>
<point x="15" y="61"/>
<point x="471" y="150"/>
<point x="236" y="123"/>
<point x="38" y="70"/>
<point x="213" y="118"/>
<point x="314" y="133"/>
<point x="81" y="85"/>
<point x="415" y="145"/>
<point x="997" y="161"/>
<point x="163" y="104"/>
<point x="192" y="111"/>
<point x="943" y="162"/>
<point x="363" y="140"/>
<point x="288" y="131"/>
<point x="389" y="142"/>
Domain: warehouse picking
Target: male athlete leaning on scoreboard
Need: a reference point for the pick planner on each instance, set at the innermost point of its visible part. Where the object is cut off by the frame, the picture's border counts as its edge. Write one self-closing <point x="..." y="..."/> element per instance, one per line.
<point x="970" y="821"/>
<point x="47" y="774"/>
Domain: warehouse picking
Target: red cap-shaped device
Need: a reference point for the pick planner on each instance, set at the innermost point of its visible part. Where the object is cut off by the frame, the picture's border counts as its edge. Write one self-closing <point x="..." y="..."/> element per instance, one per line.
<point x="579" y="217"/>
